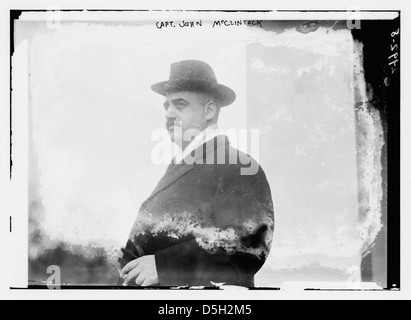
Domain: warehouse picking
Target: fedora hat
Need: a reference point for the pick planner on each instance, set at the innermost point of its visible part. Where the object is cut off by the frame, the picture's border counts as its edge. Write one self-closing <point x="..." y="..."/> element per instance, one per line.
<point x="194" y="75"/>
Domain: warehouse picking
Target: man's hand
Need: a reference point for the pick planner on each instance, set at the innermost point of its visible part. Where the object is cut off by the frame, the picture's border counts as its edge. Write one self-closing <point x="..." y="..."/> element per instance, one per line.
<point x="142" y="270"/>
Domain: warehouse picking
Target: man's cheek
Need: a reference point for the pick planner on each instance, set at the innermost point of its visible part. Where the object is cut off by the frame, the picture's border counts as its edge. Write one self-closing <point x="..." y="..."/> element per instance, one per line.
<point x="190" y="134"/>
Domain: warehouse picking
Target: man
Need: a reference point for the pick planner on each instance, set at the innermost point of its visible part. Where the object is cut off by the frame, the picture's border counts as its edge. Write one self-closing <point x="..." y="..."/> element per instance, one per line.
<point x="207" y="221"/>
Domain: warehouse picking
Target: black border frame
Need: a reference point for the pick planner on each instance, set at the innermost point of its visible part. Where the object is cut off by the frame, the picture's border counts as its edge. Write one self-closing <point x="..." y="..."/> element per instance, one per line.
<point x="392" y="98"/>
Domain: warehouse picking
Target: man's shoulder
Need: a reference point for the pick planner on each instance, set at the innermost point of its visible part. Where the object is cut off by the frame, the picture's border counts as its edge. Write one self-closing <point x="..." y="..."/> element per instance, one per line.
<point x="230" y="160"/>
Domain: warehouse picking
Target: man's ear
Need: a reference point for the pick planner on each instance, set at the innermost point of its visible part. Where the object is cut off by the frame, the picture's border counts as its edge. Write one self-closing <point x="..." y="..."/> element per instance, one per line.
<point x="210" y="110"/>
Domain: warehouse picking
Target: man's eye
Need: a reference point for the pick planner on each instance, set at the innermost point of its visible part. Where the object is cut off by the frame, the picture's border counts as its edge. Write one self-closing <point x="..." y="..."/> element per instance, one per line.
<point x="180" y="105"/>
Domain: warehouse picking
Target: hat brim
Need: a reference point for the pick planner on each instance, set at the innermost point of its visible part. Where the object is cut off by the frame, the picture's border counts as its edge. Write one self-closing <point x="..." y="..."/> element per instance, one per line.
<point x="224" y="94"/>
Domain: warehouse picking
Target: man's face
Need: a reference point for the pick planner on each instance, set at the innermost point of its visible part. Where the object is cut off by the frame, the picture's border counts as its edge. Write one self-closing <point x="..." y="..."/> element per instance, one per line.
<point x="184" y="111"/>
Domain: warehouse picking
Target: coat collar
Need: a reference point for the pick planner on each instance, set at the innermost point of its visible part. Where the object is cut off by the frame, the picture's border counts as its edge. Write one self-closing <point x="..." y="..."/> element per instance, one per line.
<point x="176" y="171"/>
<point x="207" y="134"/>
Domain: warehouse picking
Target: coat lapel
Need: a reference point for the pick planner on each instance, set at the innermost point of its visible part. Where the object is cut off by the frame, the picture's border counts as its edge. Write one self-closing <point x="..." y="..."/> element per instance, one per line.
<point x="173" y="173"/>
<point x="176" y="171"/>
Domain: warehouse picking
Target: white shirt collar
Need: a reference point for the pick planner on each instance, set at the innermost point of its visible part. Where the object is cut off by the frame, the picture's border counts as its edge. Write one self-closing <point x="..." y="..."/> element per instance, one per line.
<point x="206" y="135"/>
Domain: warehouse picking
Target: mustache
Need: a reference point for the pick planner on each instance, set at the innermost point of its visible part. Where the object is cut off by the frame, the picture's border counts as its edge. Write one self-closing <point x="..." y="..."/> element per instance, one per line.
<point x="170" y="124"/>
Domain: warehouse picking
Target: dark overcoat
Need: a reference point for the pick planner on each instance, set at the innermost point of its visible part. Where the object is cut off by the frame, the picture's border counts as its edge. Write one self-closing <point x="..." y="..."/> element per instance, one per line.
<point x="207" y="221"/>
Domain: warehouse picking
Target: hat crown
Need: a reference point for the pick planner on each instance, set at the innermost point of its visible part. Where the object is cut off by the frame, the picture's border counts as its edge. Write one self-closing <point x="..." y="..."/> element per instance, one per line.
<point x="195" y="76"/>
<point x="192" y="70"/>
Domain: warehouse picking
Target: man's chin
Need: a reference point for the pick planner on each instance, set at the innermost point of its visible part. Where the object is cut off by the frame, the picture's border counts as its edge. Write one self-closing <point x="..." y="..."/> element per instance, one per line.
<point x="175" y="137"/>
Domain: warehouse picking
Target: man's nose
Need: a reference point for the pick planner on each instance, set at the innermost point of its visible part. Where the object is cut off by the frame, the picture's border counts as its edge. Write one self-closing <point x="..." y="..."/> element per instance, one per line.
<point x="170" y="113"/>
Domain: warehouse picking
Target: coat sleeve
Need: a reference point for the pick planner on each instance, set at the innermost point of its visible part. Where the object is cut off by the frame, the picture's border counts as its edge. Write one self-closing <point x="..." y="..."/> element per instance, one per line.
<point x="236" y="247"/>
